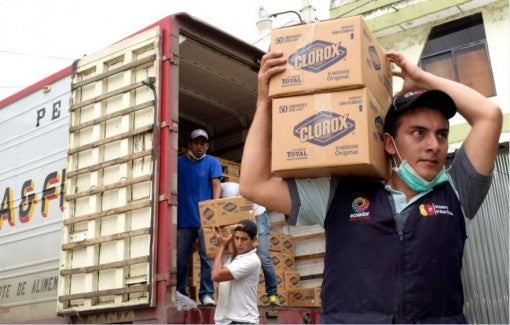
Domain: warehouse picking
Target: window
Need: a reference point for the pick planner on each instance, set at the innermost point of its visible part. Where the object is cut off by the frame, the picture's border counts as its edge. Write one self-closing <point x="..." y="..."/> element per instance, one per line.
<point x="457" y="50"/>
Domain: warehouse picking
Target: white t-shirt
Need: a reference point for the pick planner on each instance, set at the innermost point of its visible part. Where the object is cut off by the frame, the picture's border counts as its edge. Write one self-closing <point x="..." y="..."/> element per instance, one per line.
<point x="229" y="189"/>
<point x="237" y="299"/>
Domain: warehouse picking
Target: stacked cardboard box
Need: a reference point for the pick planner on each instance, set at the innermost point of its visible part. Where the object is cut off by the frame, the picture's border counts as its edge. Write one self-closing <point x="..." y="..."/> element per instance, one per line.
<point x="290" y="292"/>
<point x="281" y="249"/>
<point x="305" y="297"/>
<point x="194" y="279"/>
<point x="231" y="170"/>
<point x="329" y="104"/>
<point x="224" y="213"/>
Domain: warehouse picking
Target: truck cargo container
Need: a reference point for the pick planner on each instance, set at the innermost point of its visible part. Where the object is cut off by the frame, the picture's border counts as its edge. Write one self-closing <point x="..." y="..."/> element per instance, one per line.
<point x="88" y="176"/>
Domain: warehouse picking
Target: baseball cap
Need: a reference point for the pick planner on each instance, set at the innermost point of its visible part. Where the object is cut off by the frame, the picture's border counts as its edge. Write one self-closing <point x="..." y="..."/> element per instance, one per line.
<point x="247" y="226"/>
<point x="429" y="98"/>
<point x="199" y="133"/>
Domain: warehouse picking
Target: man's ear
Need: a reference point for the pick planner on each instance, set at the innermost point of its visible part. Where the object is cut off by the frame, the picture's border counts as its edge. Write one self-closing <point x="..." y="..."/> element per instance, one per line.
<point x="389" y="145"/>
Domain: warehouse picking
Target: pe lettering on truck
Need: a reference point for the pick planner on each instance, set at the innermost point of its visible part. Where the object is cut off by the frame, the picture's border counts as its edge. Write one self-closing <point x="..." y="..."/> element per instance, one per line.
<point x="54" y="113"/>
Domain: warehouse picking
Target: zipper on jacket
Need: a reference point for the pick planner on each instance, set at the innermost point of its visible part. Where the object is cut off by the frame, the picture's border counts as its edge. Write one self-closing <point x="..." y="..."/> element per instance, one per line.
<point x="402" y="278"/>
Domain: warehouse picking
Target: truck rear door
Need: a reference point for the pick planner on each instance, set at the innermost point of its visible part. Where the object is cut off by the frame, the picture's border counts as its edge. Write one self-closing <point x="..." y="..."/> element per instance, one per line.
<point x="111" y="184"/>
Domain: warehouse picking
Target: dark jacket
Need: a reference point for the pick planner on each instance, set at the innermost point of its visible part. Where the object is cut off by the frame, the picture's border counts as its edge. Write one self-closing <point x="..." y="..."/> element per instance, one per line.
<point x="374" y="274"/>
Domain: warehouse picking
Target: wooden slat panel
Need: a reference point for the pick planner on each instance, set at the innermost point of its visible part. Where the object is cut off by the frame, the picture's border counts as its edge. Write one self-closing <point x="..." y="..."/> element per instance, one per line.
<point x="109" y="292"/>
<point x="108" y="163"/>
<point x="101" y="119"/>
<point x="109" y="212"/>
<point x="113" y="133"/>
<point x="112" y="72"/>
<point x="95" y="144"/>
<point x="105" y="266"/>
<point x="105" y="239"/>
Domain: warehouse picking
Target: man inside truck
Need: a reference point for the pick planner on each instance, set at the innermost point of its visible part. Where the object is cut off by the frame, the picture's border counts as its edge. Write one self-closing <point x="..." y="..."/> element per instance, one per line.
<point x="401" y="261"/>
<point x="199" y="176"/>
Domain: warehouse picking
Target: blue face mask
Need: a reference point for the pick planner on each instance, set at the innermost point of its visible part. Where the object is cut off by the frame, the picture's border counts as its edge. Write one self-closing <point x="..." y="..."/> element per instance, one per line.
<point x="411" y="178"/>
<point x="415" y="181"/>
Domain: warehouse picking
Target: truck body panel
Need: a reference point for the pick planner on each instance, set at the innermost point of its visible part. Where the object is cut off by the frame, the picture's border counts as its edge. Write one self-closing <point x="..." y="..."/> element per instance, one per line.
<point x="33" y="164"/>
<point x="89" y="175"/>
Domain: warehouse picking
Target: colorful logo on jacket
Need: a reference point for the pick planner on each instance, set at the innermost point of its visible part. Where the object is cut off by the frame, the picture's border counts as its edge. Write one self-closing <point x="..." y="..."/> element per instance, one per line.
<point x="431" y="209"/>
<point x="360" y="206"/>
<point x="317" y="56"/>
<point x="324" y="128"/>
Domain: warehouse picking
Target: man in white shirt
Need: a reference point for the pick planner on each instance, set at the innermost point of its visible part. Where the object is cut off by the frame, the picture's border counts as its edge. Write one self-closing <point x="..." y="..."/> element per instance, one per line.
<point x="230" y="189"/>
<point x="238" y="275"/>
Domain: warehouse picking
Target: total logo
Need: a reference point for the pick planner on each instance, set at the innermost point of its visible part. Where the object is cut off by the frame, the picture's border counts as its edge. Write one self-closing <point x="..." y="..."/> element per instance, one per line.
<point x="360" y="206"/>
<point x="297" y="154"/>
<point x="431" y="209"/>
<point x="324" y="128"/>
<point x="317" y="56"/>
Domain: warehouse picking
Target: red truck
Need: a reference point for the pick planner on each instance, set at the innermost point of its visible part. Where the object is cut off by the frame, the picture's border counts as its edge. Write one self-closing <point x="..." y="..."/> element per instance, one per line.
<point x="89" y="178"/>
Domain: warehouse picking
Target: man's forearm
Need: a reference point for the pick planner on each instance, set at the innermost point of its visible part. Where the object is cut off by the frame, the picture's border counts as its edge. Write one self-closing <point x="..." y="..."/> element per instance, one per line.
<point x="218" y="262"/>
<point x="216" y="188"/>
<point x="256" y="160"/>
<point x="219" y="274"/>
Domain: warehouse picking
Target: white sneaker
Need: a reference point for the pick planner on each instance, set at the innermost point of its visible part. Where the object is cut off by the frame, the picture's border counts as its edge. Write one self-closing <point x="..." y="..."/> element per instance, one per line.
<point x="208" y="301"/>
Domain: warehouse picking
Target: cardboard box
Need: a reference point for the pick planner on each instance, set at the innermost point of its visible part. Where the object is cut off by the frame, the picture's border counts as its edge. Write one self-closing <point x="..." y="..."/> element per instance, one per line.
<point x="280" y="282"/>
<point x="263" y="301"/>
<point x="309" y="297"/>
<point x="227" y="211"/>
<point x="338" y="133"/>
<point x="207" y="213"/>
<point x="289" y="261"/>
<point x="292" y="280"/>
<point x="278" y="263"/>
<point x="331" y="55"/>
<point x="283" y="262"/>
<point x="287" y="244"/>
<point x="274" y="241"/>
<point x="279" y="242"/>
<point x="211" y="245"/>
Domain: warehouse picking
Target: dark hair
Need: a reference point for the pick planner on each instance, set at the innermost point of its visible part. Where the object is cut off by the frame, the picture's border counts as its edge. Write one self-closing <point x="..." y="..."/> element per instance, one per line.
<point x="248" y="227"/>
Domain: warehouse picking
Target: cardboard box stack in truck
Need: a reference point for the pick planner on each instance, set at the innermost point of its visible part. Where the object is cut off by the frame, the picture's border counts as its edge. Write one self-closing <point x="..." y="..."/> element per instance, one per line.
<point x="225" y="213"/>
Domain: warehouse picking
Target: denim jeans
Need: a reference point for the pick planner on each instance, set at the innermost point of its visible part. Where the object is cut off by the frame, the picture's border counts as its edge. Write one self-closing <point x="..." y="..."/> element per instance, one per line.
<point x="263" y="252"/>
<point x="185" y="239"/>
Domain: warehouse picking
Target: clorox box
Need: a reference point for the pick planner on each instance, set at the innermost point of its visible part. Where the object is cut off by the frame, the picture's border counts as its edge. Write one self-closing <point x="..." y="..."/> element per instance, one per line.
<point x="331" y="55"/>
<point x="225" y="211"/>
<point x="323" y="134"/>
